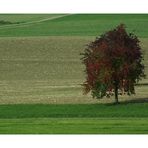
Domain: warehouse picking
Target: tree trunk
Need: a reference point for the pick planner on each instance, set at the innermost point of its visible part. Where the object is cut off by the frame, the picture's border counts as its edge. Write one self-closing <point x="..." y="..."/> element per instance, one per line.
<point x="116" y="94"/>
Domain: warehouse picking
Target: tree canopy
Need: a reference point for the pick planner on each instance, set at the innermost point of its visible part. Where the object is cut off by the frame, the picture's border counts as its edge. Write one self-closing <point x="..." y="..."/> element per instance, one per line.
<point x="113" y="64"/>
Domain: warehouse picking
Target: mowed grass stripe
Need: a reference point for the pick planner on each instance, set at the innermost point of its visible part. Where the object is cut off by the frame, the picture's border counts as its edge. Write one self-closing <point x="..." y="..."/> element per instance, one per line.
<point x="122" y="110"/>
<point x="74" y="126"/>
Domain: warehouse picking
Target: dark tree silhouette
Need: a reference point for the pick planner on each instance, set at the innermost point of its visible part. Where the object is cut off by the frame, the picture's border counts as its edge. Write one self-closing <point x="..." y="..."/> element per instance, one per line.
<point x="113" y="64"/>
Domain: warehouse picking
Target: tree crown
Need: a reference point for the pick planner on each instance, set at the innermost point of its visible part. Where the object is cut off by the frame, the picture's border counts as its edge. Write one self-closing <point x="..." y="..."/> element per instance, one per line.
<point x="113" y="59"/>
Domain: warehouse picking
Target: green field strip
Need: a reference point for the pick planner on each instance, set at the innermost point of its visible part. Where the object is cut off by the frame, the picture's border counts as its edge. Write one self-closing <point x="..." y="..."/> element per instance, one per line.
<point x="82" y="25"/>
<point x="109" y="110"/>
<point x="74" y="126"/>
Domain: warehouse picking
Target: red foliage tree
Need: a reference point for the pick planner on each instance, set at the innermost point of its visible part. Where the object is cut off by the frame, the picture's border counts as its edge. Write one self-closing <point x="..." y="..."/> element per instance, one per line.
<point x="113" y="64"/>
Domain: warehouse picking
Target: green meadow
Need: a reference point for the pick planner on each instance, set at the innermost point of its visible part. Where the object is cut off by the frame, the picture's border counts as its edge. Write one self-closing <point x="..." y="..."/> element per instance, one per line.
<point x="125" y="118"/>
<point x="77" y="25"/>
<point x="41" y="75"/>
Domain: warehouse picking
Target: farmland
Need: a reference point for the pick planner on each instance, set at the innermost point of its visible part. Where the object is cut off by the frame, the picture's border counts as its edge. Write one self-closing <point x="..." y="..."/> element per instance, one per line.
<point x="41" y="75"/>
<point x="47" y="70"/>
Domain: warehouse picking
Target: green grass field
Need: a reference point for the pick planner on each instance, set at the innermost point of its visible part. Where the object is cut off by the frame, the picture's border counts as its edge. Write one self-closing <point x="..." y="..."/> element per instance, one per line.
<point x="41" y="76"/>
<point x="76" y="119"/>
<point x="74" y="126"/>
<point x="109" y="110"/>
<point x="79" y="25"/>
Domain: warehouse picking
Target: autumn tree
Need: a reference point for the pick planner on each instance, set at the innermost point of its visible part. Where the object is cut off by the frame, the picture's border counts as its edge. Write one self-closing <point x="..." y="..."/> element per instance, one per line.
<point x="113" y="64"/>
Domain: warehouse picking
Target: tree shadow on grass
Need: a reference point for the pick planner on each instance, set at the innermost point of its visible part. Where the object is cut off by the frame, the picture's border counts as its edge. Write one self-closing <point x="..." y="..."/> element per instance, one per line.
<point x="132" y="101"/>
<point x="138" y="100"/>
